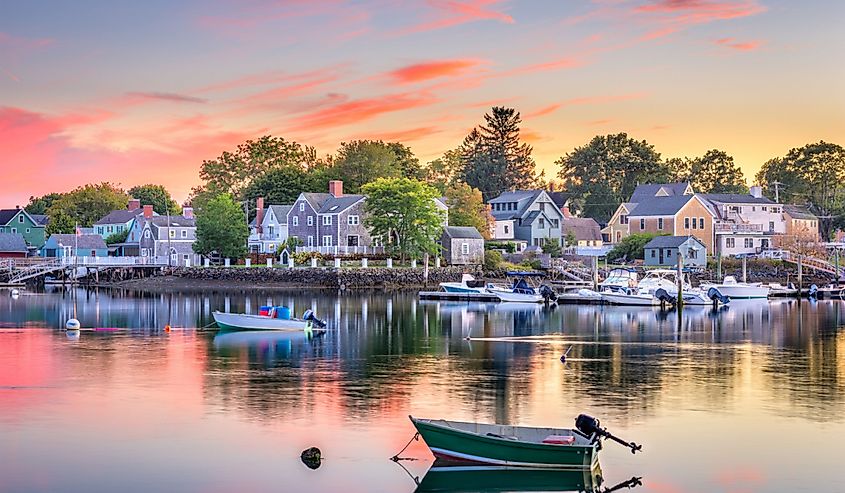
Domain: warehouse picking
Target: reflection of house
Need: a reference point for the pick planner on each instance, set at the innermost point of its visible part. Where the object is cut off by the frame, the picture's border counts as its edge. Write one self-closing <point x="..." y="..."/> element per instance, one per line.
<point x="527" y="215"/>
<point x="169" y="237"/>
<point x="462" y="245"/>
<point x="268" y="232"/>
<point x="664" y="251"/>
<point x="676" y="215"/>
<point x="617" y="228"/>
<point x="800" y="222"/>
<point x="12" y="245"/>
<point x="85" y="245"/>
<point x="118" y="221"/>
<point x="21" y="222"/>
<point x="745" y="223"/>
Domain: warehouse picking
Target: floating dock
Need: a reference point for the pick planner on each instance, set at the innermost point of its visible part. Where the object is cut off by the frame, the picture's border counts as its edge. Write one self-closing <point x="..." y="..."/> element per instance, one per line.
<point x="449" y="296"/>
<point x="577" y="299"/>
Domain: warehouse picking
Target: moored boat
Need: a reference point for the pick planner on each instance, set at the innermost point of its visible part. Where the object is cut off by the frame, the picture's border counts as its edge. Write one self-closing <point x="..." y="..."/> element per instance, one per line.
<point x="630" y="297"/>
<point x="244" y="321"/>
<point x="520" y="291"/>
<point x="734" y="289"/>
<point x="468" y="284"/>
<point x="519" y="446"/>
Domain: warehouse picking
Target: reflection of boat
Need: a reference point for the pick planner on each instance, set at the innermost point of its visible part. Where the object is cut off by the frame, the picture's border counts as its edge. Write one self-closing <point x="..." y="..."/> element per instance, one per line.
<point x="243" y="321"/>
<point x="247" y="338"/>
<point x="734" y="289"/>
<point x="468" y="284"/>
<point x="521" y="446"/>
<point x="445" y="476"/>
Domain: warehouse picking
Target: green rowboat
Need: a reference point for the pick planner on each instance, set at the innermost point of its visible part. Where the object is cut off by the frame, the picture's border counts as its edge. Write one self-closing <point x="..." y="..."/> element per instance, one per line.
<point x="454" y="478"/>
<point x="505" y="445"/>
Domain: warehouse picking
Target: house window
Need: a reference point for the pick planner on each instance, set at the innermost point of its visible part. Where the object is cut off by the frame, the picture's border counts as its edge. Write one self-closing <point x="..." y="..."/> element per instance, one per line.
<point x="353" y="220"/>
<point x="14" y="230"/>
<point x="764" y="208"/>
<point x="327" y="220"/>
<point x="668" y="252"/>
<point x="184" y="233"/>
<point x="692" y="253"/>
<point x="147" y="234"/>
<point x="652" y="253"/>
<point x="310" y="220"/>
<point x="27" y="230"/>
<point x="464" y="248"/>
<point x="20" y="218"/>
<point x="694" y="224"/>
<point x="686" y="223"/>
<point x="642" y="224"/>
<point x="542" y="223"/>
<point x="310" y="241"/>
<point x="171" y="233"/>
<point x="302" y="207"/>
<point x="555" y="224"/>
<point x="270" y="231"/>
<point x="749" y="243"/>
<point x="295" y="220"/>
<point x="507" y="229"/>
<point x="700" y="223"/>
<point x="730" y="242"/>
<point x="659" y="223"/>
<point x="771" y="225"/>
<point x="542" y="207"/>
<point x="327" y="241"/>
<point x="352" y="240"/>
<point x="623" y="219"/>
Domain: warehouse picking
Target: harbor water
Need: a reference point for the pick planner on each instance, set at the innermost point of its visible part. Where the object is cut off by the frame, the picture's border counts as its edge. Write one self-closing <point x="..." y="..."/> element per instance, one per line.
<point x="746" y="398"/>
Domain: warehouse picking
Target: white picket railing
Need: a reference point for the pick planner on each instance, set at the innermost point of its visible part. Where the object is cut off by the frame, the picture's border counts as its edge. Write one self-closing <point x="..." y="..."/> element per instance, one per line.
<point x="342" y="250"/>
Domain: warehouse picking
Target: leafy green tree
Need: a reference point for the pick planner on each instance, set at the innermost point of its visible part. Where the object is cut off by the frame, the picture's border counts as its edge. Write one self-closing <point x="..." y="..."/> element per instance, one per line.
<point x="631" y="247"/>
<point x="813" y="175"/>
<point x="362" y="161"/>
<point x="157" y="196"/>
<point x="280" y="185"/>
<point x="467" y="208"/>
<point x="402" y="212"/>
<point x="60" y="223"/>
<point x="221" y="228"/>
<point x="85" y="205"/>
<point x="118" y="237"/>
<point x="552" y="247"/>
<point x="605" y="172"/>
<point x="714" y="172"/>
<point x="407" y="161"/>
<point x="39" y="205"/>
<point x="570" y="239"/>
<point x="232" y="172"/>
<point x="443" y="171"/>
<point x="493" y="158"/>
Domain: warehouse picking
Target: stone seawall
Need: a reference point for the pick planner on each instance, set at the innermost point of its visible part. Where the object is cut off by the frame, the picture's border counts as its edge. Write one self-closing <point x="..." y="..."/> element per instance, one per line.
<point x="319" y="277"/>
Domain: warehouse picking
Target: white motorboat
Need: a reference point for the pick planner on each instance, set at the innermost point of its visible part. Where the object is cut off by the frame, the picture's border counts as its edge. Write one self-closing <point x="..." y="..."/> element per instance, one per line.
<point x="701" y="297"/>
<point x="244" y="321"/>
<point x="662" y="279"/>
<point x="521" y="291"/>
<point x="630" y="297"/>
<point x="734" y="289"/>
<point x="468" y="284"/>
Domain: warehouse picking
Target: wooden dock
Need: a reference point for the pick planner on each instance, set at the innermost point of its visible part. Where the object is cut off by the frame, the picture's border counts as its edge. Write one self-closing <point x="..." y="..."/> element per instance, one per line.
<point x="443" y="295"/>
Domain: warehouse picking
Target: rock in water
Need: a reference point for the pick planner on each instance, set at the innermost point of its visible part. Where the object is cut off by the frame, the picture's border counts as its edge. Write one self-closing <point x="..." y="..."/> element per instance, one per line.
<point x="311" y="457"/>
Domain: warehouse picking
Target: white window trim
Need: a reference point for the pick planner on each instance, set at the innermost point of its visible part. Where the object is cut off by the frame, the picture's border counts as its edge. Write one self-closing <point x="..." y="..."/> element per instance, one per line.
<point x="295" y="220"/>
<point x="302" y="207"/>
<point x="327" y="220"/>
<point x="464" y="248"/>
<point x="327" y="241"/>
<point x="310" y="220"/>
<point x="353" y="220"/>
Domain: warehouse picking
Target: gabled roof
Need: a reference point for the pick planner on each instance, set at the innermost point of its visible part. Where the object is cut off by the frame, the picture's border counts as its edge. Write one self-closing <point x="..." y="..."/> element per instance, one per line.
<point x="670" y="241"/>
<point x="172" y="221"/>
<point x="650" y="190"/>
<point x="7" y="215"/>
<point x="88" y="242"/>
<point x="735" y="198"/>
<point x="334" y="205"/>
<point x="522" y="198"/>
<point x="316" y="199"/>
<point x="661" y="206"/>
<point x="12" y="242"/>
<point x="464" y="232"/>
<point x="559" y="198"/>
<point x="798" y="212"/>
<point x="41" y="219"/>
<point x="119" y="216"/>
<point x="584" y="228"/>
<point x="281" y="212"/>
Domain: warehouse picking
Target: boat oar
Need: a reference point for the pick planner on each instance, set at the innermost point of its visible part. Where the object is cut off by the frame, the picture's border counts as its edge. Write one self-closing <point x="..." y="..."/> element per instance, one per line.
<point x="589" y="425"/>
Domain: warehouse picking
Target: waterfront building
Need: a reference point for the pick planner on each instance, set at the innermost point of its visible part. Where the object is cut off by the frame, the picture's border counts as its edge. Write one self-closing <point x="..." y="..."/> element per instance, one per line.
<point x="118" y="220"/>
<point x="663" y="251"/>
<point x="462" y="245"/>
<point x="329" y="222"/>
<point x="800" y="222"/>
<point x="586" y="231"/>
<point x="675" y="215"/>
<point x="12" y="245"/>
<point x="617" y="227"/>
<point x="745" y="223"/>
<point x="18" y="221"/>
<point x="75" y="245"/>
<point x="268" y="231"/>
<point x="529" y="216"/>
<point x="169" y="238"/>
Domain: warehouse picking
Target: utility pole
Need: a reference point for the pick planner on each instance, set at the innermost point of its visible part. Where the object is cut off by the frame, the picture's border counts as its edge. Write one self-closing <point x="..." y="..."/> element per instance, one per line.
<point x="777" y="185"/>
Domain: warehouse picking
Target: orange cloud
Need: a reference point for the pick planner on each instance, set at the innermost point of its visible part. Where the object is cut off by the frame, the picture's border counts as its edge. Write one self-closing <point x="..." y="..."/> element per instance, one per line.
<point x="419" y="72"/>
<point x="360" y="110"/>
<point x="409" y="135"/>
<point x="739" y="46"/>
<point x="559" y="64"/>
<point x="545" y="110"/>
<point x="449" y="13"/>
<point x="675" y="15"/>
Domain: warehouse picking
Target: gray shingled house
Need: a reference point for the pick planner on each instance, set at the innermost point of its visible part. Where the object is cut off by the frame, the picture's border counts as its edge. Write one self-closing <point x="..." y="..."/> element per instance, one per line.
<point x="462" y="245"/>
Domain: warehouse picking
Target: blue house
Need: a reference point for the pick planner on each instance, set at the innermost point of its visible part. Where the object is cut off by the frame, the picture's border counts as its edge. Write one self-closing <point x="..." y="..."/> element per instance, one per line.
<point x="87" y="245"/>
<point x="530" y="217"/>
<point x="663" y="251"/>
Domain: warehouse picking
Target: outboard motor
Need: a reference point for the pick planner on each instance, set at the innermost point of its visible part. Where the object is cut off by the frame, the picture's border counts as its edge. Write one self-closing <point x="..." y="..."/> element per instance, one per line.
<point x="664" y="296"/>
<point x="814" y="291"/>
<point x="591" y="426"/>
<point x="548" y="293"/>
<point x="309" y="316"/>
<point x="716" y="295"/>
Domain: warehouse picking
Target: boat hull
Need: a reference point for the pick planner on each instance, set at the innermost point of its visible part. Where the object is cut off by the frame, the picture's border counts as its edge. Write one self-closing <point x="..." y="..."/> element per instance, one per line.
<point x="630" y="299"/>
<point x="735" y="292"/>
<point x="511" y="297"/>
<point x="240" y="321"/>
<point x="456" y="445"/>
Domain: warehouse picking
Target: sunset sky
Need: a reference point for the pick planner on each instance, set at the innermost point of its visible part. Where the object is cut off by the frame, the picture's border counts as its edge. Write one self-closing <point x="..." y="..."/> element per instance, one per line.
<point x="140" y="92"/>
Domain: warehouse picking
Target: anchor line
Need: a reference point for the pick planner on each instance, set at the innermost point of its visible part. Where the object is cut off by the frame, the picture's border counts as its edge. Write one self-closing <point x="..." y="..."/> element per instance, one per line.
<point x="415" y="478"/>
<point x="396" y="457"/>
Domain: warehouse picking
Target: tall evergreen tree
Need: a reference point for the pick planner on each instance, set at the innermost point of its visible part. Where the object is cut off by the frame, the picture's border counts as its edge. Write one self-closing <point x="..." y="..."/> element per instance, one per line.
<point x="494" y="160"/>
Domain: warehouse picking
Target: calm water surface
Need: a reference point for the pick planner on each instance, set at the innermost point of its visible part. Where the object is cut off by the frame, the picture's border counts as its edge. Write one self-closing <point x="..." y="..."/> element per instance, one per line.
<point x="746" y="399"/>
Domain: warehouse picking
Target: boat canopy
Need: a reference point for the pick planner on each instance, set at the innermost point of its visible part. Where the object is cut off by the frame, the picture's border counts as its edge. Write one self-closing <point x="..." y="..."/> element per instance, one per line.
<point x="525" y="274"/>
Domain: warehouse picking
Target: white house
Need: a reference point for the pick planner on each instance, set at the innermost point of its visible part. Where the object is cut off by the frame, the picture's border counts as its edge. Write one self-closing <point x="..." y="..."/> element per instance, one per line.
<point x="745" y="223"/>
<point x="268" y="232"/>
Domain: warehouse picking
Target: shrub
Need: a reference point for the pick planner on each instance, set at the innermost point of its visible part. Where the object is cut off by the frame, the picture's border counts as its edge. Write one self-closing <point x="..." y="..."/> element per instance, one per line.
<point x="493" y="260"/>
<point x="632" y="247"/>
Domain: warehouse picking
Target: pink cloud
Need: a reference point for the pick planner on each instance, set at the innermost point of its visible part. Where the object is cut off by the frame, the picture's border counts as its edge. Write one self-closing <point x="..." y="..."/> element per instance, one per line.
<point x="424" y="71"/>
<point x="739" y="46"/>
<point x="360" y="110"/>
<point x="165" y="96"/>
<point x="409" y="135"/>
<point x="672" y="16"/>
<point x="548" y="109"/>
<point x="449" y="13"/>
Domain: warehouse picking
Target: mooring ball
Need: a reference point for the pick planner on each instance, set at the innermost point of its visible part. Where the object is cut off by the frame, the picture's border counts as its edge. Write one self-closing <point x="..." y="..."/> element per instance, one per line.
<point x="72" y="324"/>
<point x="311" y="457"/>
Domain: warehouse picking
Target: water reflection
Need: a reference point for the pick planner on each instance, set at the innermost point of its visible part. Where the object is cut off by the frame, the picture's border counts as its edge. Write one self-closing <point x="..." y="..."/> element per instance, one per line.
<point x="752" y="369"/>
<point x="444" y="476"/>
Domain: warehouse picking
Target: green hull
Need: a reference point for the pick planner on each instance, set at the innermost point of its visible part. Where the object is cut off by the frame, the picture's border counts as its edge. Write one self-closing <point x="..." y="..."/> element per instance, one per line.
<point x="497" y="478"/>
<point x="456" y="445"/>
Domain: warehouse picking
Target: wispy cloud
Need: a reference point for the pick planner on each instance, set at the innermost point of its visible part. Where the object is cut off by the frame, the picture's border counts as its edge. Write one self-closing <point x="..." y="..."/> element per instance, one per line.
<point x="449" y="13"/>
<point x="424" y="71"/>
<point x="671" y="16"/>
<point x="165" y="96"/>
<point x="739" y="45"/>
<point x="551" y="108"/>
<point x="360" y="110"/>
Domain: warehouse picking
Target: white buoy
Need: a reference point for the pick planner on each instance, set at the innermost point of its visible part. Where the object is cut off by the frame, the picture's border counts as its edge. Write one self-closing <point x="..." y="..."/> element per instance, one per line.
<point x="15" y="294"/>
<point x="72" y="324"/>
<point x="73" y="335"/>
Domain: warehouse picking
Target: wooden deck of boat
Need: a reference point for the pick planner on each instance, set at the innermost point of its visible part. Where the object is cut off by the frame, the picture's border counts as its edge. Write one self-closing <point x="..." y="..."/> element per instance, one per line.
<point x="443" y="295"/>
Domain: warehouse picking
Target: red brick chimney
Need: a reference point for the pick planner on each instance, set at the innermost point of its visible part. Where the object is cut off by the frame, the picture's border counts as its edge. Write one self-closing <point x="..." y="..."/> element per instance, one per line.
<point x="336" y="188"/>
<point x="566" y="212"/>
<point x="148" y="212"/>
<point x="133" y="204"/>
<point x="259" y="213"/>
